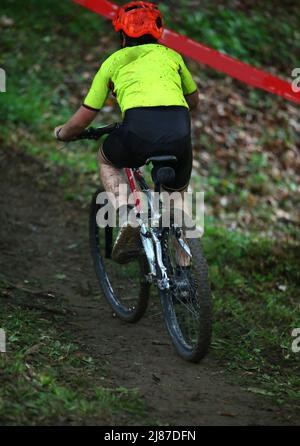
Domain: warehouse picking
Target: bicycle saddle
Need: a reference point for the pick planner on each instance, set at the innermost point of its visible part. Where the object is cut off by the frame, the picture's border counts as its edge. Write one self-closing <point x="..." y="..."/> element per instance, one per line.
<point x="161" y="159"/>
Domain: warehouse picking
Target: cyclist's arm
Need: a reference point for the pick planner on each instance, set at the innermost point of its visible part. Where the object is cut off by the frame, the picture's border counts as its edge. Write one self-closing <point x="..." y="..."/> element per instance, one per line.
<point x="189" y="86"/>
<point x="79" y="121"/>
<point x="93" y="102"/>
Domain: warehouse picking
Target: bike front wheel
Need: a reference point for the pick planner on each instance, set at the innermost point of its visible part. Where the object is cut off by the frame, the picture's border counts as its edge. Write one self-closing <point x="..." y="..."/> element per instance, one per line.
<point x="187" y="304"/>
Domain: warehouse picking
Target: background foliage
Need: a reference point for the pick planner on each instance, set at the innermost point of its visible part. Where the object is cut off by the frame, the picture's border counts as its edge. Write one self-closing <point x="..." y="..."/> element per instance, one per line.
<point x="246" y="145"/>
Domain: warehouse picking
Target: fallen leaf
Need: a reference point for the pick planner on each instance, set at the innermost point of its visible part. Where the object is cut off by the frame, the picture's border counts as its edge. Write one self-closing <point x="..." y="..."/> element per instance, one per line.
<point x="260" y="391"/>
<point x="32" y="350"/>
<point x="60" y="276"/>
<point x="227" y="414"/>
<point x="6" y="21"/>
<point x="155" y="378"/>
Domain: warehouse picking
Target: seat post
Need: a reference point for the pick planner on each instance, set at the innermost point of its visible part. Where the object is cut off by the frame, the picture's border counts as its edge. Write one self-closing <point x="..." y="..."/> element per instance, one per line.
<point x="161" y="161"/>
<point x="157" y="187"/>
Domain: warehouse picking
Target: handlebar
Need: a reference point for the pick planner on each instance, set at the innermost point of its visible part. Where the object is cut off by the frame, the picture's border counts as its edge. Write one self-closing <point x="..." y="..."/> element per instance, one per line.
<point x="96" y="133"/>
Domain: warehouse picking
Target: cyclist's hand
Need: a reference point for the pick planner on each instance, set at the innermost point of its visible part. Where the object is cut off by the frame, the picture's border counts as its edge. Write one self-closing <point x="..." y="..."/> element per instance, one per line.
<point x="57" y="131"/>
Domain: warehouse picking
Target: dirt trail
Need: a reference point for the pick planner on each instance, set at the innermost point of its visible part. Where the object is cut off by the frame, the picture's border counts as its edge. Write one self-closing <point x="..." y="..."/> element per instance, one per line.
<point x="43" y="235"/>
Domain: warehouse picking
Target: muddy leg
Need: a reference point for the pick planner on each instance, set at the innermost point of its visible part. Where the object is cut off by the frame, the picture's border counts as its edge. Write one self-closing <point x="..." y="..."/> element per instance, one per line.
<point x="112" y="179"/>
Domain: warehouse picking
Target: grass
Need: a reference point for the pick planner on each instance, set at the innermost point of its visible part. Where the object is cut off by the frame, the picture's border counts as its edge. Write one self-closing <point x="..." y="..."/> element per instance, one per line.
<point x="55" y="81"/>
<point x="256" y="304"/>
<point x="47" y="379"/>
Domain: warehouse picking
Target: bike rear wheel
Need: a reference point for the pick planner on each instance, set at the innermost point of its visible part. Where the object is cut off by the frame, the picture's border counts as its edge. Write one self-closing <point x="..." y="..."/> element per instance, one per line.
<point x="124" y="286"/>
<point x="187" y="305"/>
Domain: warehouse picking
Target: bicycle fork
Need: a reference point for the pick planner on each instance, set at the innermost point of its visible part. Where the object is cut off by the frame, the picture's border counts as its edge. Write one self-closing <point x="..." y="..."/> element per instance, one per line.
<point x="152" y="247"/>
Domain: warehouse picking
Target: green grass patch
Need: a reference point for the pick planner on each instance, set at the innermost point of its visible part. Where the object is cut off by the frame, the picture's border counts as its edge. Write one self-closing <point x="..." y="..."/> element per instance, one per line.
<point x="47" y="78"/>
<point x="46" y="378"/>
<point x="256" y="286"/>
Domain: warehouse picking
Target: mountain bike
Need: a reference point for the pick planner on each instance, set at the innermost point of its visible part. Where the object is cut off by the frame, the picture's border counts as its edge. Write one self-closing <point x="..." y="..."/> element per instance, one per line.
<point x="185" y="297"/>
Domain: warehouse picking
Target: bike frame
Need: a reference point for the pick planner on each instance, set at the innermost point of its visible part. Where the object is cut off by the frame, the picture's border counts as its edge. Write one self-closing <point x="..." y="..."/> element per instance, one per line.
<point x="132" y="184"/>
<point x="152" y="237"/>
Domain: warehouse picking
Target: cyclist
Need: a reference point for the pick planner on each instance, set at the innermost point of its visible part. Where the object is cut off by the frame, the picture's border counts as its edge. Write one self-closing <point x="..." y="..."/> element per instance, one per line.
<point x="155" y="92"/>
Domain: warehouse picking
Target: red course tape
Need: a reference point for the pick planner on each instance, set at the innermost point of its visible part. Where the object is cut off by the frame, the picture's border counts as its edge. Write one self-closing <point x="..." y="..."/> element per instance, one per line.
<point x="239" y="70"/>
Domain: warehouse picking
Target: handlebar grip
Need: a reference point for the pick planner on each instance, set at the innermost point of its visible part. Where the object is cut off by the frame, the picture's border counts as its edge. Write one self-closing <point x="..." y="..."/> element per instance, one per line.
<point x="96" y="133"/>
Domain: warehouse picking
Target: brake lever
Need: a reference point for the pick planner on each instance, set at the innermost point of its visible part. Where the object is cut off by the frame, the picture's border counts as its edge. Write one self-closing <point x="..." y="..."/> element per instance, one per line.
<point x="93" y="133"/>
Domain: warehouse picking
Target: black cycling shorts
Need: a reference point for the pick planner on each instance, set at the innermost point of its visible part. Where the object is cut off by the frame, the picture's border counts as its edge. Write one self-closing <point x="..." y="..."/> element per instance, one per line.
<point x="153" y="131"/>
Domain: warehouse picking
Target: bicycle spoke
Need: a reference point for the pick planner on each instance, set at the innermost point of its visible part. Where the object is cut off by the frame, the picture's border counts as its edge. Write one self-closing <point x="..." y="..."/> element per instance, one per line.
<point x="188" y="312"/>
<point x="124" y="286"/>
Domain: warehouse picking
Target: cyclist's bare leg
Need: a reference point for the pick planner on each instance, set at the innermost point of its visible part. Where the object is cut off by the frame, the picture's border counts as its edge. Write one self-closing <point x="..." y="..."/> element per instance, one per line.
<point x="127" y="245"/>
<point x="112" y="178"/>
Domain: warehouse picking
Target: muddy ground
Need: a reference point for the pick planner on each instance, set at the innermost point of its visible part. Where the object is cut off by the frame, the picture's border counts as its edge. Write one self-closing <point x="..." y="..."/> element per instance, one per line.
<point x="42" y="235"/>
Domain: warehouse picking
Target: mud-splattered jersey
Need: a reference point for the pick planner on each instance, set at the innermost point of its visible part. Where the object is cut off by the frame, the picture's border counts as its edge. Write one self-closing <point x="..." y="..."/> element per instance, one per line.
<point x="147" y="75"/>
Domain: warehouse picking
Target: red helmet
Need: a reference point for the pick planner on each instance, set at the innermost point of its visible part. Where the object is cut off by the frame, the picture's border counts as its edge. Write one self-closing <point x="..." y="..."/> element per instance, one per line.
<point x="139" y="18"/>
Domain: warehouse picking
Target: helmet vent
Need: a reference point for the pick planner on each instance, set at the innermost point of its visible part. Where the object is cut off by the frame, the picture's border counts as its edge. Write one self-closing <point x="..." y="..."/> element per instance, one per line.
<point x="133" y="7"/>
<point x="159" y="23"/>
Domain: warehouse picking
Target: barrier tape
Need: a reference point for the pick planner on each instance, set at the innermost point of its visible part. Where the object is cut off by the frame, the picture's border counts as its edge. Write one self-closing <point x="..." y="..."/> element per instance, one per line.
<point x="221" y="62"/>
